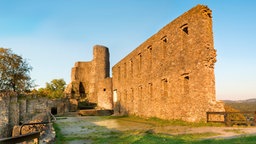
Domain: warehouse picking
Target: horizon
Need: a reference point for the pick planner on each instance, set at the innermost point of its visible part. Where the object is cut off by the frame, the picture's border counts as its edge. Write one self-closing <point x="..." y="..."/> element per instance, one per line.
<point x="54" y="35"/>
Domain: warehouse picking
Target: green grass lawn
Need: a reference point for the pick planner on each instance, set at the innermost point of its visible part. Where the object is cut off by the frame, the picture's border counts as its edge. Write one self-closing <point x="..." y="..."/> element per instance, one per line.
<point x="165" y="139"/>
<point x="149" y="137"/>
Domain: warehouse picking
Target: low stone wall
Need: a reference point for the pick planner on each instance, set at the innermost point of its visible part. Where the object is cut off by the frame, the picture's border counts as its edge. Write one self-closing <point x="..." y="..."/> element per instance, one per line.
<point x="47" y="133"/>
<point x="4" y="115"/>
<point x="9" y="113"/>
<point x="14" y="110"/>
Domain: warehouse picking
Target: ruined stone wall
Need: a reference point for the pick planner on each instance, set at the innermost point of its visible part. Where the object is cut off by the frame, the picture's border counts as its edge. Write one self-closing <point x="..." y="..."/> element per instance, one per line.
<point x="81" y="71"/>
<point x="86" y="76"/>
<point x="4" y="115"/>
<point x="31" y="105"/>
<point x="62" y="105"/>
<point x="80" y="80"/>
<point x="14" y="111"/>
<point x="170" y="75"/>
<point x="100" y="70"/>
<point x="23" y="109"/>
<point x="104" y="92"/>
<point x="9" y="113"/>
<point x="35" y="105"/>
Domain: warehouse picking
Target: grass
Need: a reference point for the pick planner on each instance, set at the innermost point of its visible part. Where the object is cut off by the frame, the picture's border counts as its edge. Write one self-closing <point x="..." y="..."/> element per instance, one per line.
<point x="60" y="118"/>
<point x="103" y="135"/>
<point x="238" y="131"/>
<point x="160" y="122"/>
<point x="128" y="138"/>
<point x="59" y="136"/>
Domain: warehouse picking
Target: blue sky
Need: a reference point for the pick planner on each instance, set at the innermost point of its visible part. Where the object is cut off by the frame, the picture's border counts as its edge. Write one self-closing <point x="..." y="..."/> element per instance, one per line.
<point x="54" y="34"/>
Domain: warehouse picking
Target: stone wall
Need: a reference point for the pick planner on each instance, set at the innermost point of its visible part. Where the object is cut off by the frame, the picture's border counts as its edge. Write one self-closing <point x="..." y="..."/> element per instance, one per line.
<point x="4" y="115"/>
<point x="170" y="75"/>
<point x="104" y="89"/>
<point x="87" y="76"/>
<point x="14" y="111"/>
<point x="9" y="113"/>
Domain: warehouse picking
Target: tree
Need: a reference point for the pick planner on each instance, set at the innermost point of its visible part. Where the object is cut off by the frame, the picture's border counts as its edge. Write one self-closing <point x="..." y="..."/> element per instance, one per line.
<point x="54" y="89"/>
<point x="14" y="72"/>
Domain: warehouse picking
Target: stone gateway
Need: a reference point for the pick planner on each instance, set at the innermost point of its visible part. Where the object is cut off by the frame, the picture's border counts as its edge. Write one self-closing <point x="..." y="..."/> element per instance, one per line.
<point x="169" y="76"/>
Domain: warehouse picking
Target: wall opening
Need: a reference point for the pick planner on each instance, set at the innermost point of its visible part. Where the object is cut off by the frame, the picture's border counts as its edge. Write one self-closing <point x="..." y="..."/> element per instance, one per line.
<point x="125" y="98"/>
<point x="119" y="73"/>
<point x="164" y="87"/>
<point x="140" y="62"/>
<point x="150" y="89"/>
<point x="164" y="39"/>
<point x="104" y="89"/>
<point x="185" y="28"/>
<point x="82" y="90"/>
<point x="150" y="57"/>
<point x="132" y="95"/>
<point x="207" y="13"/>
<point x="131" y="66"/>
<point x="140" y="100"/>
<point x="115" y="98"/>
<point x="186" y="85"/>
<point x="163" y="45"/>
<point x="54" y="110"/>
<point x="125" y="70"/>
<point x="132" y="101"/>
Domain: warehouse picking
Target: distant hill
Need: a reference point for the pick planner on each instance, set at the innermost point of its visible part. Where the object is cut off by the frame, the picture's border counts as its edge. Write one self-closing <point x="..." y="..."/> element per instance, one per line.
<point x="242" y="105"/>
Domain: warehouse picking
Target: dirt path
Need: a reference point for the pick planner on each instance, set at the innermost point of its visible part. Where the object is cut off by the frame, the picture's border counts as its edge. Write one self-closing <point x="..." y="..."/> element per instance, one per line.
<point x="77" y="128"/>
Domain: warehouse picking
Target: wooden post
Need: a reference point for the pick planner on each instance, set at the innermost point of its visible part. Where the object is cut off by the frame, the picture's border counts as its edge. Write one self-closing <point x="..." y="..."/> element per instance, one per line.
<point x="255" y="118"/>
<point x="225" y="118"/>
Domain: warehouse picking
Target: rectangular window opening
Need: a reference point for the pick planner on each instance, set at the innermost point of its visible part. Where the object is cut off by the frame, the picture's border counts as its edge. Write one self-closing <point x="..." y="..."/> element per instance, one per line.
<point x="150" y="57"/>
<point x="131" y="67"/>
<point x="119" y="73"/>
<point x="163" y="45"/>
<point x="124" y="70"/>
<point x="164" y="87"/>
<point x="150" y="89"/>
<point x="186" y="84"/>
<point x="140" y="62"/>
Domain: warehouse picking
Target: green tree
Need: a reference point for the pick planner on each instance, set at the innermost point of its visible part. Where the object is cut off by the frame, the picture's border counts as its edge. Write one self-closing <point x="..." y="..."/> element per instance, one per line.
<point x="14" y="72"/>
<point x="54" y="89"/>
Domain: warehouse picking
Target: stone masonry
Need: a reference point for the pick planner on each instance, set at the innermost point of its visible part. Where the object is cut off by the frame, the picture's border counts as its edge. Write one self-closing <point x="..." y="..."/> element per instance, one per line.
<point x="9" y="113"/>
<point x="16" y="109"/>
<point x="90" y="80"/>
<point x="169" y="76"/>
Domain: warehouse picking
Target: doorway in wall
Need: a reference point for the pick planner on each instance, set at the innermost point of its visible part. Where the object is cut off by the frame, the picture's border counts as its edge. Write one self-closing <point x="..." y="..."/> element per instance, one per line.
<point x="54" y="110"/>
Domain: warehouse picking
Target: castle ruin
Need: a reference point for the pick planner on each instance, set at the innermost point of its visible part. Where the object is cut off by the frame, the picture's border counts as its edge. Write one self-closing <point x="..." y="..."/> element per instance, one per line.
<point x="90" y="81"/>
<point x="169" y="76"/>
